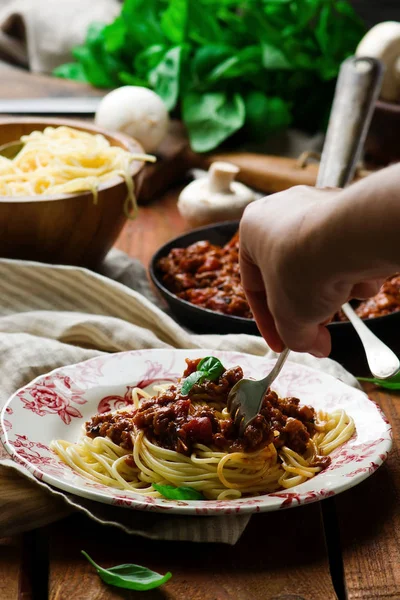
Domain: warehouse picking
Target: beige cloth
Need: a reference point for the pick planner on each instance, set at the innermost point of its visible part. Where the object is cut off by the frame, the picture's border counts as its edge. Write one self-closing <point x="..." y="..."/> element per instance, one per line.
<point x="39" y="34"/>
<point x="57" y="315"/>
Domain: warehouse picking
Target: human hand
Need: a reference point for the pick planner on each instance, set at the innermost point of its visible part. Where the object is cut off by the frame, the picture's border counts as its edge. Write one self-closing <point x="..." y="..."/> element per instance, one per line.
<point x="290" y="273"/>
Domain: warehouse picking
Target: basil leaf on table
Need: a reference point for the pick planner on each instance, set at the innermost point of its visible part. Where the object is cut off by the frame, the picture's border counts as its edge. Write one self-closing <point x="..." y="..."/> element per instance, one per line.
<point x="178" y="493"/>
<point x="390" y="384"/>
<point x="130" y="577"/>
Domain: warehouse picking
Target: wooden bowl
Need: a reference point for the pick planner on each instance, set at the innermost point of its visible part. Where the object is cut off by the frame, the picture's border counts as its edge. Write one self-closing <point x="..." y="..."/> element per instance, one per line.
<point x="67" y="228"/>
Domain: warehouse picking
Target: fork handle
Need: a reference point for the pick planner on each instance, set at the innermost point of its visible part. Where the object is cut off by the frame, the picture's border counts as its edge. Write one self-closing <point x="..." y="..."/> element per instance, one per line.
<point x="357" y="89"/>
<point x="273" y="374"/>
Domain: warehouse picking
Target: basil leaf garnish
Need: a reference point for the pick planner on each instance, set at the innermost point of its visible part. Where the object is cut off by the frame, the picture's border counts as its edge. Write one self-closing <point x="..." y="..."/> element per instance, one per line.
<point x="130" y="577"/>
<point x="208" y="368"/>
<point x="212" y="366"/>
<point x="178" y="493"/>
<point x="190" y="381"/>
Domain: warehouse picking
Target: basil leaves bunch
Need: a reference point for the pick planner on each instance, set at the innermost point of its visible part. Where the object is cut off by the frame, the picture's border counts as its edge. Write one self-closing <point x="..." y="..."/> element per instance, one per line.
<point x="225" y="66"/>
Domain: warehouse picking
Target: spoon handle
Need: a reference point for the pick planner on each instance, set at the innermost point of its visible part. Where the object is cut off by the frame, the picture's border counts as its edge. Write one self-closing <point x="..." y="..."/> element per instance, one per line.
<point x="382" y="361"/>
<point x="357" y="90"/>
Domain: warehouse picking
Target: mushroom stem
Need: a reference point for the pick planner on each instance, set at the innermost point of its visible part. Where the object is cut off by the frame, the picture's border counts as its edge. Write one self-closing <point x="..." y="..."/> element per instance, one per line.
<point x="221" y="175"/>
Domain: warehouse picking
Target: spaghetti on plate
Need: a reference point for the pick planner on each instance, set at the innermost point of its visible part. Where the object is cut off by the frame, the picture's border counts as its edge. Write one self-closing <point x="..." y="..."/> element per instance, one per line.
<point x="187" y="439"/>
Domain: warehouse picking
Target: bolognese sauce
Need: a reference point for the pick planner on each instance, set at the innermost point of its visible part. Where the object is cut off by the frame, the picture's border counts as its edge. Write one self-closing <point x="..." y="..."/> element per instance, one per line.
<point x="177" y="421"/>
<point x="207" y="275"/>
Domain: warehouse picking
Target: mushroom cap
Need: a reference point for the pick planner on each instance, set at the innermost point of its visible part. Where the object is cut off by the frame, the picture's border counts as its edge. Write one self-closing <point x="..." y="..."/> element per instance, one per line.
<point x="136" y="111"/>
<point x="383" y="42"/>
<point x="199" y="205"/>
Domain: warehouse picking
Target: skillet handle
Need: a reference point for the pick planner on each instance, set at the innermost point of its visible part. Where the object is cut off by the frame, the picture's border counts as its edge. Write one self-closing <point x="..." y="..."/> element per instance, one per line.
<point x="357" y="89"/>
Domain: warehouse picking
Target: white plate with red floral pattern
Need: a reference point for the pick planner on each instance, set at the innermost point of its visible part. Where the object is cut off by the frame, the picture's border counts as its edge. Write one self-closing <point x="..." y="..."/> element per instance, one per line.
<point x="54" y="406"/>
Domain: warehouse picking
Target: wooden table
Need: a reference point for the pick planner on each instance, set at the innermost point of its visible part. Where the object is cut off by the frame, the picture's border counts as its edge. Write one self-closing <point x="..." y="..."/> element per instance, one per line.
<point x="344" y="547"/>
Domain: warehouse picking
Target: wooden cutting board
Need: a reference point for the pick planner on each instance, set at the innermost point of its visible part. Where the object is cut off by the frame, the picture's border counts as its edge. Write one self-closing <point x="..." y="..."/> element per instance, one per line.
<point x="265" y="173"/>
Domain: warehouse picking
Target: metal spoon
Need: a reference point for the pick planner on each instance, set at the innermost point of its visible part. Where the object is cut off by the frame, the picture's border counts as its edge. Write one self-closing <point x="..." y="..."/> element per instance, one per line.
<point x="357" y="90"/>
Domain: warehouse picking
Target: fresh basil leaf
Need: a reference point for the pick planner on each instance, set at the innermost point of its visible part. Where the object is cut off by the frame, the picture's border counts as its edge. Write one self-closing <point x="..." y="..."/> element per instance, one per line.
<point x="273" y="58"/>
<point x="142" y="22"/>
<point x="190" y="381"/>
<point x="245" y="62"/>
<point x="391" y="384"/>
<point x="174" y="21"/>
<point x="178" y="493"/>
<point x="98" y="65"/>
<point x="204" y="27"/>
<point x="212" y="366"/>
<point x="71" y="71"/>
<point x="93" y="69"/>
<point x="148" y="59"/>
<point x="130" y="577"/>
<point x="115" y="35"/>
<point x="208" y="58"/>
<point x="129" y="79"/>
<point x="211" y="118"/>
<point x="165" y="77"/>
<point x="265" y="115"/>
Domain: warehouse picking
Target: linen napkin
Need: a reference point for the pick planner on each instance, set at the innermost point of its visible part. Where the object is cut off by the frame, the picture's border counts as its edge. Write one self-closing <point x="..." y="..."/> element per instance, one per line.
<point x="57" y="315"/>
<point x="39" y="34"/>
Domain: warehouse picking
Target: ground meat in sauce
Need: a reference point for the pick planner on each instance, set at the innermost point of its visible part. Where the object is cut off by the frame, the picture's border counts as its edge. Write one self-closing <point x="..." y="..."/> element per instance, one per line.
<point x="208" y="275"/>
<point x="173" y="421"/>
<point x="385" y="302"/>
<point x="116" y="426"/>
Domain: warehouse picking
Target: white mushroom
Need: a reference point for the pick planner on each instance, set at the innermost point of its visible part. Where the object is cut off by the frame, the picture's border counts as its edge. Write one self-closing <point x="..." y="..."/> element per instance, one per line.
<point x="383" y="42"/>
<point x="215" y="198"/>
<point x="136" y="111"/>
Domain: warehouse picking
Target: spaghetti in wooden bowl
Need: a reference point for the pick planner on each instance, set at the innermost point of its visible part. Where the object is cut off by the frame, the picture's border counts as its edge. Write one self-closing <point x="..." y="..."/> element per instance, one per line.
<point x="65" y="228"/>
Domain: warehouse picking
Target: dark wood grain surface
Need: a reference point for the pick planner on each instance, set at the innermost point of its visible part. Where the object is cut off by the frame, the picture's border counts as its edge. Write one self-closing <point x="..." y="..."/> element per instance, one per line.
<point x="344" y="547"/>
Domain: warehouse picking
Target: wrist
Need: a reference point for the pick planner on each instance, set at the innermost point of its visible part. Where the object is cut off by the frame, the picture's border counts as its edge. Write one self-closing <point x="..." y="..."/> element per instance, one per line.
<point x="352" y="231"/>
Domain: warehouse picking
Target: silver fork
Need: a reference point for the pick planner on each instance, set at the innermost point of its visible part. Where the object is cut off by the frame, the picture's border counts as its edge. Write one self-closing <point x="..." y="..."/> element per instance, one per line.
<point x="246" y="397"/>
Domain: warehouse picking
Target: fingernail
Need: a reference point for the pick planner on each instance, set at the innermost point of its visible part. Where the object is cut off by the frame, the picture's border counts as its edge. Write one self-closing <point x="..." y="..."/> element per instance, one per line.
<point x="318" y="354"/>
